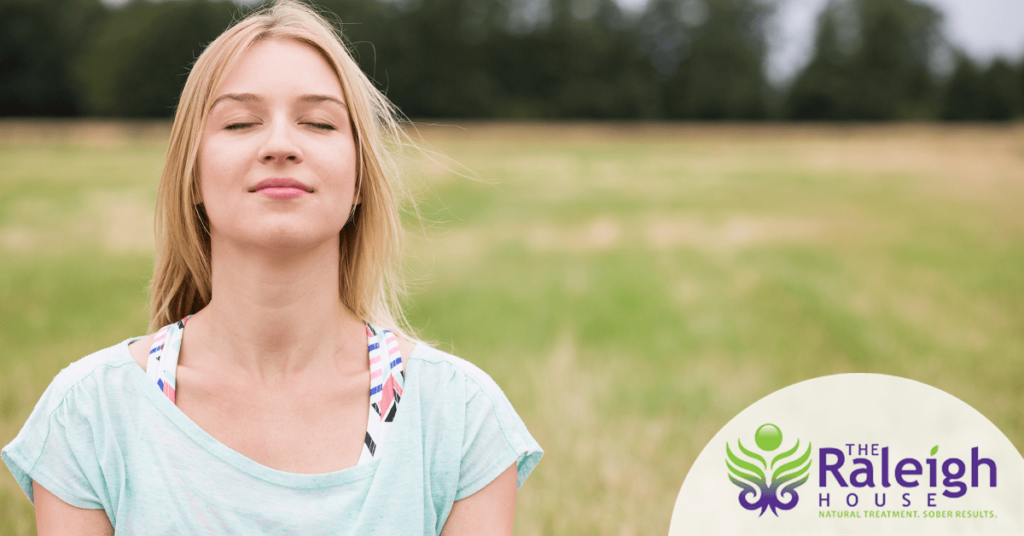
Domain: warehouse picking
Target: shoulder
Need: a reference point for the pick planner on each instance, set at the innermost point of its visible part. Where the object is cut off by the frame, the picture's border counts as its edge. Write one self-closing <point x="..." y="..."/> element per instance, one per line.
<point x="447" y="380"/>
<point x="492" y="435"/>
<point x="139" y="350"/>
<point x="57" y="446"/>
<point x="90" y="373"/>
<point x="443" y="365"/>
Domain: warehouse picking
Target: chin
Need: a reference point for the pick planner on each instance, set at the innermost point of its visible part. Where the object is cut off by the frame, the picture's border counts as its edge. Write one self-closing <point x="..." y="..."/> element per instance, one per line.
<point x="283" y="236"/>
<point x="292" y="242"/>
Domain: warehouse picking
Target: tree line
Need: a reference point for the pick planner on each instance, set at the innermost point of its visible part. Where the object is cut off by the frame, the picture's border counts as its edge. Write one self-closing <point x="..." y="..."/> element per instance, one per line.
<point x="513" y="59"/>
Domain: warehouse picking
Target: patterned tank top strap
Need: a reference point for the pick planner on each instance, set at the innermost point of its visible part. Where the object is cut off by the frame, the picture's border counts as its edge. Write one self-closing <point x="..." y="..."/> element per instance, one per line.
<point x="163" y="357"/>
<point x="387" y="381"/>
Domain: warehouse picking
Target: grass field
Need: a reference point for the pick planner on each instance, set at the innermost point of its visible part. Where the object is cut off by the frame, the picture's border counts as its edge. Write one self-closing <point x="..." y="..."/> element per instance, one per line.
<point x="631" y="287"/>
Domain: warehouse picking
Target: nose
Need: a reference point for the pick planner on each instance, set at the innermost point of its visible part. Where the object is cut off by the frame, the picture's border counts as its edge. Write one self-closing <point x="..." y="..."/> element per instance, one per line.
<point x="280" y="145"/>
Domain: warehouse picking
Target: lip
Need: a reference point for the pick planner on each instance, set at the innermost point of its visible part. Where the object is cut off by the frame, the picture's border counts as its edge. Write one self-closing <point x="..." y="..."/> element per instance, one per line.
<point x="281" y="182"/>
<point x="281" y="188"/>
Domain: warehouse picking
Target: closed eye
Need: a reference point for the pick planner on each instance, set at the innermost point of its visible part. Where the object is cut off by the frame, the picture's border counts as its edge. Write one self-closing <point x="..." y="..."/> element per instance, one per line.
<point x="322" y="126"/>
<point x="240" y="126"/>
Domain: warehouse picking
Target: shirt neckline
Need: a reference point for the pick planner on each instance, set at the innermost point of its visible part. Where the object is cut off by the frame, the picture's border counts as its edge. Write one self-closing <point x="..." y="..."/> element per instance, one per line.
<point x="239" y="460"/>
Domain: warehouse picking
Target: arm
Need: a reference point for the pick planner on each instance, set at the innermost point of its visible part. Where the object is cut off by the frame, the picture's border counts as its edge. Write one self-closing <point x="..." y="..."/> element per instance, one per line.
<point x="489" y="511"/>
<point x="56" y="517"/>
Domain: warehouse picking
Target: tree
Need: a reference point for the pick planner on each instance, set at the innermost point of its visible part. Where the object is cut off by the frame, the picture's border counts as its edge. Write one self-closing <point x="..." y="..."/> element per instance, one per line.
<point x="962" y="97"/>
<point x="502" y="58"/>
<point x="974" y="95"/>
<point x="137" y="63"/>
<point x="711" y="53"/>
<point x="1001" y="90"/>
<point x="39" y="45"/>
<point x="871" y="61"/>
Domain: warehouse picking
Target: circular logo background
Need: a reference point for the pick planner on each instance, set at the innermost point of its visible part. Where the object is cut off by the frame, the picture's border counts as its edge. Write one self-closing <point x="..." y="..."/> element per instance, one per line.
<point x="855" y="454"/>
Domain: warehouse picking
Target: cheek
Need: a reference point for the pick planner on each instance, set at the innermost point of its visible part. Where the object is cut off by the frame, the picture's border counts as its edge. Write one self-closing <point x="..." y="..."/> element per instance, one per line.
<point x="219" y="167"/>
<point x="221" y="161"/>
<point x="338" y="170"/>
<point x="351" y="166"/>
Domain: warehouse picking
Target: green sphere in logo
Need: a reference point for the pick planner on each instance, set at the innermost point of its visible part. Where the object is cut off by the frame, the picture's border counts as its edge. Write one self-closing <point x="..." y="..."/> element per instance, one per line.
<point x="768" y="437"/>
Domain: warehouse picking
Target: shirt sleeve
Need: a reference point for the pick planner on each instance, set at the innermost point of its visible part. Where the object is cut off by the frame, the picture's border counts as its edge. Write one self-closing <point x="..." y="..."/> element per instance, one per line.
<point x="495" y="437"/>
<point x="57" y="447"/>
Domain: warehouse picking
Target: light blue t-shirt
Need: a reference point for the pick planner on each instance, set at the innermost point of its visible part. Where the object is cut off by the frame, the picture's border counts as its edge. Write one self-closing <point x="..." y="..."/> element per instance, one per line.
<point x="103" y="437"/>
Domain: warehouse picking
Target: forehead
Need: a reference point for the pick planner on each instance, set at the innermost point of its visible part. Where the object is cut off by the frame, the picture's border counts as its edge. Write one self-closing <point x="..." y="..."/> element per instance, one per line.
<point x="281" y="68"/>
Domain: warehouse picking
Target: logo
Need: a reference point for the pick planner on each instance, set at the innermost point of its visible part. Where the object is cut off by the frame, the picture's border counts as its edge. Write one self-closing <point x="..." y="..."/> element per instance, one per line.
<point x="765" y="484"/>
<point x="889" y="456"/>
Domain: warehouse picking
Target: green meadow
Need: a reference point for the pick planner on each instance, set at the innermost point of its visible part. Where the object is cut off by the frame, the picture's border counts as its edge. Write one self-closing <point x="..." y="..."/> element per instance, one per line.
<point x="631" y="287"/>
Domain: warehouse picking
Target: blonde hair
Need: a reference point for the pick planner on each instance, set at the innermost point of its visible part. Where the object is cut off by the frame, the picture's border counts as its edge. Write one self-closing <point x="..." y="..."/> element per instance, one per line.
<point x="370" y="243"/>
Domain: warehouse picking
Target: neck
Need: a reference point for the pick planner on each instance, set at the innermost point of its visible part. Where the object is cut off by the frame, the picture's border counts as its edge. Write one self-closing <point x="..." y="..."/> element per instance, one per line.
<point x="276" y="314"/>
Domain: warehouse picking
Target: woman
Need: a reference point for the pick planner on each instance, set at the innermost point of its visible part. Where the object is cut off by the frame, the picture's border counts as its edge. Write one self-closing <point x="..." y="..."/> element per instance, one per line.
<point x="278" y="242"/>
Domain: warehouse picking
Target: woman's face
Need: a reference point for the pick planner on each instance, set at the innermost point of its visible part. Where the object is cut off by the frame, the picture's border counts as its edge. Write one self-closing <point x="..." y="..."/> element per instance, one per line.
<point x="277" y="159"/>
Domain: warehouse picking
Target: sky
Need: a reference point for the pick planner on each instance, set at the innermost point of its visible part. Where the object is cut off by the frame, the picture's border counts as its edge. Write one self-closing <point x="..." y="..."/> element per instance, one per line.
<point x="984" y="29"/>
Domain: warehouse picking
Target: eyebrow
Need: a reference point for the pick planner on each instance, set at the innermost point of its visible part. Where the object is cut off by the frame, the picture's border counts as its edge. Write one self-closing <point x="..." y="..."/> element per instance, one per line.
<point x="252" y="97"/>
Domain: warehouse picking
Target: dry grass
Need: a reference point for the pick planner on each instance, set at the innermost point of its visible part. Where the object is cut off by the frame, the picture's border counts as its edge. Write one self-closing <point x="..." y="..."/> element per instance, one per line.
<point x="630" y="286"/>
